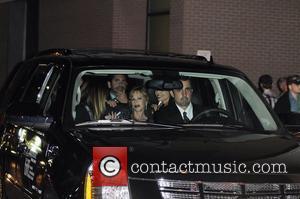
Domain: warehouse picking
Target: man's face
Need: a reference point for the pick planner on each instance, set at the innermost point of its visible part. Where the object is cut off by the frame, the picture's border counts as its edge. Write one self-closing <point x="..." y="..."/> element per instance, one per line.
<point x="183" y="96"/>
<point x="294" y="88"/>
<point x="118" y="83"/>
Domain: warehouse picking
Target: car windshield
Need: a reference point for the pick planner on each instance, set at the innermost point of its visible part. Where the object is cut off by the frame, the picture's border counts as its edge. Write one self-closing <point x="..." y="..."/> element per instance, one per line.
<point x="180" y="98"/>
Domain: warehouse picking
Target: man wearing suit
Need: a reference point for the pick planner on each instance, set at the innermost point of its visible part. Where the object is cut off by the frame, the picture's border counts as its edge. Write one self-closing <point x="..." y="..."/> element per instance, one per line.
<point x="181" y="110"/>
<point x="288" y="104"/>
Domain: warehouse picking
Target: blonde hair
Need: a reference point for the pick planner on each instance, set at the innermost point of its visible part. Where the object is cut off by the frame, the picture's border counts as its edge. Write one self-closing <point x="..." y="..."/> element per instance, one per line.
<point x="97" y="92"/>
<point x="140" y="89"/>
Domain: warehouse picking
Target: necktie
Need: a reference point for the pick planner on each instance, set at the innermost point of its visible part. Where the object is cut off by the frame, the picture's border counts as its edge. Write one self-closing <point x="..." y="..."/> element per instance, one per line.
<point x="185" y="118"/>
<point x="268" y="97"/>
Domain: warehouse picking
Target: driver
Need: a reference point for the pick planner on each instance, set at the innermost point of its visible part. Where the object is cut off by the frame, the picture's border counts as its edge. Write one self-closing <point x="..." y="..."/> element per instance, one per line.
<point x="182" y="110"/>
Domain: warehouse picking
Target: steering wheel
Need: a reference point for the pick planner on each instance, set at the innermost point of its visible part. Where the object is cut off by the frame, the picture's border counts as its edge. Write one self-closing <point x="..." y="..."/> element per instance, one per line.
<point x="213" y="111"/>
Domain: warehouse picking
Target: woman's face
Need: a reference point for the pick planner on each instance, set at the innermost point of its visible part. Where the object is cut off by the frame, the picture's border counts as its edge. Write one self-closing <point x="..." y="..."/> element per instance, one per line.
<point x="162" y="96"/>
<point x="138" y="102"/>
<point x="283" y="86"/>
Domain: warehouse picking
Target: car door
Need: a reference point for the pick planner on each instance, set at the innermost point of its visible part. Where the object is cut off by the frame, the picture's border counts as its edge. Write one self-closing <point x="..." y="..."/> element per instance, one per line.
<point x="29" y="116"/>
<point x="10" y="172"/>
<point x="291" y="121"/>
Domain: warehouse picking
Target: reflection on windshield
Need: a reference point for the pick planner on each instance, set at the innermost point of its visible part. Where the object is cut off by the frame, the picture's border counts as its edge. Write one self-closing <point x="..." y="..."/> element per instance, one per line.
<point x="133" y="97"/>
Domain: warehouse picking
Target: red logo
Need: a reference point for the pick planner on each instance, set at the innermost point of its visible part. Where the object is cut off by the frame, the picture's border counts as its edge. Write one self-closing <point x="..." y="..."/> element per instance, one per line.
<point x="110" y="166"/>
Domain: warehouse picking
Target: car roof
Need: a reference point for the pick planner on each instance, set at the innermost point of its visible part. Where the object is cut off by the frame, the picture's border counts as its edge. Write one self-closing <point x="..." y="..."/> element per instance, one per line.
<point x="88" y="57"/>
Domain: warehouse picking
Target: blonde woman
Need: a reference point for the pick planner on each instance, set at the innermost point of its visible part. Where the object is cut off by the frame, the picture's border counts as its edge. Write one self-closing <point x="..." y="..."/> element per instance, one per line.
<point x="97" y="98"/>
<point x="138" y="102"/>
<point x="92" y="105"/>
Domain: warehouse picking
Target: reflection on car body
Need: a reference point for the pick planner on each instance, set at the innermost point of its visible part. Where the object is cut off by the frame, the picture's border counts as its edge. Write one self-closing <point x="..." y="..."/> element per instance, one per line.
<point x="46" y="150"/>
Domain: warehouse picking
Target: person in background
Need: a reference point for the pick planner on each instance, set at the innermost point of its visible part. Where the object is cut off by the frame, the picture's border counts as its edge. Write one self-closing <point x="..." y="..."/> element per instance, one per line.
<point x="138" y="98"/>
<point x="265" y="86"/>
<point x="282" y="85"/>
<point x="290" y="101"/>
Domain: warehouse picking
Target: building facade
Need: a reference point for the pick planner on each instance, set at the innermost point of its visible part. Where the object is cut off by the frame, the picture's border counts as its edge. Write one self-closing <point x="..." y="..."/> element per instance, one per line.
<point x="256" y="36"/>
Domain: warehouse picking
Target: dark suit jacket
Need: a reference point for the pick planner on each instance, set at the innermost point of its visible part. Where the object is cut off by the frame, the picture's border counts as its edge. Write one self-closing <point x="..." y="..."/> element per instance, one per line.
<point x="283" y="109"/>
<point x="283" y="104"/>
<point x="171" y="115"/>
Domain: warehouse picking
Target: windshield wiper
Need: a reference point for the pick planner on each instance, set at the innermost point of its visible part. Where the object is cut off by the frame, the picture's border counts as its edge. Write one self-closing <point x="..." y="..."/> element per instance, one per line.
<point x="105" y="123"/>
<point x="157" y="124"/>
<point x="124" y="123"/>
<point x="232" y="126"/>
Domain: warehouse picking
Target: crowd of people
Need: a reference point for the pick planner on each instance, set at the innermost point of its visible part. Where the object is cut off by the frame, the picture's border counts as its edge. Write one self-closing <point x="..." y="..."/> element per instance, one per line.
<point x="111" y="100"/>
<point x="288" y="99"/>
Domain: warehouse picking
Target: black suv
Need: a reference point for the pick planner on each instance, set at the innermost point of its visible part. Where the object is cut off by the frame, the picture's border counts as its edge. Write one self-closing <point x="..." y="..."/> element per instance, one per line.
<point x="51" y="119"/>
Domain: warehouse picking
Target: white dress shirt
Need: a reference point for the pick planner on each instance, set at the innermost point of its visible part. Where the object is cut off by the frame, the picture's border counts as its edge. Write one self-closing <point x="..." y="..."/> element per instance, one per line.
<point x="270" y="97"/>
<point x="188" y="110"/>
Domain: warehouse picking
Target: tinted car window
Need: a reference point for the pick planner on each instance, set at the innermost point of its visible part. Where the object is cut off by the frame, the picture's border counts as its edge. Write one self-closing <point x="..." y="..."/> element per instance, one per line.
<point x="223" y="99"/>
<point x="36" y="96"/>
<point x="241" y="107"/>
<point x="16" y="83"/>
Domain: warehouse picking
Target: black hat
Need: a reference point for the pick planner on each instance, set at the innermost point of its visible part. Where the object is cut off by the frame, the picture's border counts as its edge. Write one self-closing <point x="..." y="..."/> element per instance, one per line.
<point x="265" y="79"/>
<point x="293" y="79"/>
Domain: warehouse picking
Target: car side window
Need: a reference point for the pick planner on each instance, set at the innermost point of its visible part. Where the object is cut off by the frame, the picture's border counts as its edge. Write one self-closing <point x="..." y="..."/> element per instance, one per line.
<point x="38" y="91"/>
<point x="16" y="84"/>
<point x="241" y="108"/>
<point x="203" y="93"/>
<point x="39" y="84"/>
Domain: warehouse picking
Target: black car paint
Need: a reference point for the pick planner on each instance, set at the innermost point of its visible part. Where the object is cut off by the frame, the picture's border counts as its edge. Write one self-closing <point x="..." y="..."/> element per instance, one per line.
<point x="70" y="154"/>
